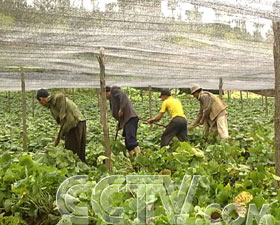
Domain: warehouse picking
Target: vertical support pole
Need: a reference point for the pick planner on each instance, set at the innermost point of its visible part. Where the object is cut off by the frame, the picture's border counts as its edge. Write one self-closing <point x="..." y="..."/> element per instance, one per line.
<point x="141" y="94"/>
<point x="266" y="106"/>
<point x="247" y="93"/>
<point x="104" y="111"/>
<point x="33" y="103"/>
<point x="150" y="101"/>
<point x="128" y="93"/>
<point x="73" y="94"/>
<point x="228" y="95"/>
<point x="23" y="110"/>
<point x="241" y="100"/>
<point x="221" y="88"/>
<point x="262" y="99"/>
<point x="276" y="50"/>
<point x="9" y="101"/>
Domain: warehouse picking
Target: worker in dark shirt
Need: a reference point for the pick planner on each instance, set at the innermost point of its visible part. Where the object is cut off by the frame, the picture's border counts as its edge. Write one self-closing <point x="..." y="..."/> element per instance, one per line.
<point x="124" y="113"/>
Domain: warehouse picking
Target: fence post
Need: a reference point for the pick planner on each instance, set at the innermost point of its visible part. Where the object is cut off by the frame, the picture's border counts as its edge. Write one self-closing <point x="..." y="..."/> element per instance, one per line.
<point x="104" y="111"/>
<point x="24" y="136"/>
<point x="221" y="88"/>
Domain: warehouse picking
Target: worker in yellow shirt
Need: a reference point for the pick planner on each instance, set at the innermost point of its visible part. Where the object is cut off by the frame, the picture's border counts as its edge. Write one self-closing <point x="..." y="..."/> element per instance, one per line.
<point x="178" y="124"/>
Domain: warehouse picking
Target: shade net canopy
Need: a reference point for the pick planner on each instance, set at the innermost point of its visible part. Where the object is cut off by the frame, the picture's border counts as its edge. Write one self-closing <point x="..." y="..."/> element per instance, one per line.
<point x="158" y="43"/>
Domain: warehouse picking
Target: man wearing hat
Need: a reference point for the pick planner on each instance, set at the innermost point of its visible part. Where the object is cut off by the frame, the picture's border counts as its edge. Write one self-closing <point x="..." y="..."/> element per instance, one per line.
<point x="125" y="114"/>
<point x="178" y="124"/>
<point x="68" y="116"/>
<point x="212" y="114"/>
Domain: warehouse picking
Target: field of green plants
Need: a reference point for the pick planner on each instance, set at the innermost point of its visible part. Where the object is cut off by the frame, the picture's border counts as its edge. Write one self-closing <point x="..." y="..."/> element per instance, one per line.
<point x="30" y="180"/>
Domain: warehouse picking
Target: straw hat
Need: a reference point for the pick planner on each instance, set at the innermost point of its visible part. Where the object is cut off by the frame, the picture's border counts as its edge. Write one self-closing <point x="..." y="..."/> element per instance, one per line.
<point x="195" y="88"/>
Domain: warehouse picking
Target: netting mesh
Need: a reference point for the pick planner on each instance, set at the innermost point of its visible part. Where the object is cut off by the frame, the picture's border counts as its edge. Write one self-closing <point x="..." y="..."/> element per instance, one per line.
<point x="161" y="43"/>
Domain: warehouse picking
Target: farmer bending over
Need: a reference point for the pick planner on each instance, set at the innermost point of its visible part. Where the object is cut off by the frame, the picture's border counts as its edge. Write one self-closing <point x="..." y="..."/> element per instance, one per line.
<point x="178" y="125"/>
<point x="71" y="121"/>
<point x="124" y="113"/>
<point x="212" y="114"/>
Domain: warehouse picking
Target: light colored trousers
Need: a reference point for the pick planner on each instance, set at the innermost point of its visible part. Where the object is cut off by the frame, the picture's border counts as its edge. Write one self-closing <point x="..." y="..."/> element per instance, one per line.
<point x="218" y="126"/>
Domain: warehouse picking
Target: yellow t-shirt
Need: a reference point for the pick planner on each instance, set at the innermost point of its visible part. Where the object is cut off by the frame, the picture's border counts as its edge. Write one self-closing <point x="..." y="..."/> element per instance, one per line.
<point x="173" y="106"/>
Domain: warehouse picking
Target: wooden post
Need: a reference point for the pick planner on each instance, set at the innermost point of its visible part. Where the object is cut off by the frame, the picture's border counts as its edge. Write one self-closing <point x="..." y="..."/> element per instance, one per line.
<point x="23" y="110"/>
<point x="276" y="30"/>
<point x="73" y="94"/>
<point x="266" y="106"/>
<point x="141" y="94"/>
<point x="103" y="110"/>
<point x="241" y="100"/>
<point x="33" y="103"/>
<point x="228" y="95"/>
<point x="247" y="93"/>
<point x="262" y="99"/>
<point x="221" y="88"/>
<point x="9" y="101"/>
<point x="150" y="101"/>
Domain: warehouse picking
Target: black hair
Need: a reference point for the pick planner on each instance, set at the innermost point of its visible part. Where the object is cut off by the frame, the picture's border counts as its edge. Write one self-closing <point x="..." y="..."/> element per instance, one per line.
<point x="165" y="92"/>
<point x="42" y="93"/>
<point x="108" y="89"/>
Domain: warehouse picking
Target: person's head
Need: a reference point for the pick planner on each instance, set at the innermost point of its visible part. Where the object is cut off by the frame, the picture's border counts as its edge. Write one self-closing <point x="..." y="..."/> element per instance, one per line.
<point x="108" y="92"/>
<point x="42" y="96"/>
<point x="195" y="91"/>
<point x="164" y="94"/>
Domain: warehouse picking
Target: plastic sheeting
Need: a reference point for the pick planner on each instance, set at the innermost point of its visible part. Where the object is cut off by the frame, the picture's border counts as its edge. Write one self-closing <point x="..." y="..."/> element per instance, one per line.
<point x="161" y="43"/>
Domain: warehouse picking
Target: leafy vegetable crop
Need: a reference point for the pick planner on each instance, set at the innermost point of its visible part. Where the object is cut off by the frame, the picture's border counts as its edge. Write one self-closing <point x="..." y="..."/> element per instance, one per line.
<point x="30" y="180"/>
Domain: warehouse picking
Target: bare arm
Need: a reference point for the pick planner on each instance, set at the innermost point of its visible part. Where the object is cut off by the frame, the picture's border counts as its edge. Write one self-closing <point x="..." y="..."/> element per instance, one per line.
<point x="156" y="118"/>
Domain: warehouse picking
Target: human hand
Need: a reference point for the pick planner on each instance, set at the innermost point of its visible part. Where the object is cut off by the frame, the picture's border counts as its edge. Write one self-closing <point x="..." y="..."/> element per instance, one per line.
<point x="191" y="128"/>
